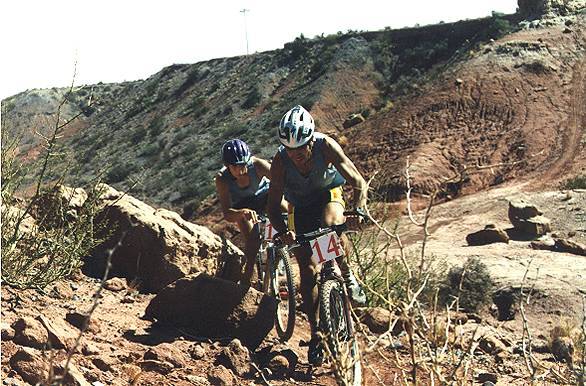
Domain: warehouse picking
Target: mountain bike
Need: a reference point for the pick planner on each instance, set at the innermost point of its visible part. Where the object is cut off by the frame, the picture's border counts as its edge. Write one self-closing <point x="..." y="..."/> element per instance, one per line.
<point x="335" y="319"/>
<point x="276" y="278"/>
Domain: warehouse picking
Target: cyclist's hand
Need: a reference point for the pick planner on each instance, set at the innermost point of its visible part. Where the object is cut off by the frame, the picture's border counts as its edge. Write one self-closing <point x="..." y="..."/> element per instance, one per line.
<point x="356" y="221"/>
<point x="249" y="215"/>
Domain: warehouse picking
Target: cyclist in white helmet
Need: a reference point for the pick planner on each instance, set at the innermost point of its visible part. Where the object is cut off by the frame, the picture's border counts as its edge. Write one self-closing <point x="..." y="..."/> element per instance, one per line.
<point x="309" y="169"/>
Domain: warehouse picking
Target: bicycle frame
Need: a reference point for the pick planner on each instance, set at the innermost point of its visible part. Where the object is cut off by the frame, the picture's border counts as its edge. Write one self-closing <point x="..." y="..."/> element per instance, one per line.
<point x="329" y="270"/>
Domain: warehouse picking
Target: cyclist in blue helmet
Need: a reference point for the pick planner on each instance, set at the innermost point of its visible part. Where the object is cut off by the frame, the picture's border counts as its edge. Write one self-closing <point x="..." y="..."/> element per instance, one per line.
<point x="242" y="186"/>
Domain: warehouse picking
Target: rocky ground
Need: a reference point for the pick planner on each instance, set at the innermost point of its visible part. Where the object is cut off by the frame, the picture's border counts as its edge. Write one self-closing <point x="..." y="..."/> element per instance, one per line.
<point x="122" y="346"/>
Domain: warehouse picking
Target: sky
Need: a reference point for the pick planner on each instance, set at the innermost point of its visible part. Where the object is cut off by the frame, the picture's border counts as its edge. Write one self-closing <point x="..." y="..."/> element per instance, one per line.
<point x="45" y="42"/>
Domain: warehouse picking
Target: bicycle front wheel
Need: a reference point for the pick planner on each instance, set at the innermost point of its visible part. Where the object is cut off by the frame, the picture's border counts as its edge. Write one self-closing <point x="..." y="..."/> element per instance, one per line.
<point x="282" y="287"/>
<point x="336" y="325"/>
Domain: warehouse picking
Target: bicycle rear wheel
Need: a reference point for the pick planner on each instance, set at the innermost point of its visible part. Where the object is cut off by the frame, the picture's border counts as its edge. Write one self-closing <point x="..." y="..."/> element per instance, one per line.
<point x="336" y="326"/>
<point x="282" y="287"/>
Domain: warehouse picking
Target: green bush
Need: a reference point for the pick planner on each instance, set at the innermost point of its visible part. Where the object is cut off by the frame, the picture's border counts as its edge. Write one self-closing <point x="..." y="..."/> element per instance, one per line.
<point x="156" y="126"/>
<point x="192" y="78"/>
<point x="119" y="172"/>
<point x="471" y="283"/>
<point x="578" y="182"/>
<point x="499" y="26"/>
<point x="148" y="150"/>
<point x="252" y="99"/>
<point x="198" y="106"/>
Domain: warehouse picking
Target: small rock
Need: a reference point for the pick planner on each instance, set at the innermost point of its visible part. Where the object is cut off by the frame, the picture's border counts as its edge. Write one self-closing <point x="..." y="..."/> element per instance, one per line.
<point x="197" y="380"/>
<point x="30" y="365"/>
<point x="78" y="319"/>
<point x="377" y="319"/>
<point x="166" y="352"/>
<point x="128" y="299"/>
<point x="115" y="284"/>
<point x="568" y="30"/>
<point x="236" y="357"/>
<point x="197" y="352"/>
<point x="156" y="366"/>
<point x="61" y="334"/>
<point x="568" y="246"/>
<point x="279" y="365"/>
<point x="7" y="331"/>
<point x="221" y="376"/>
<point x="353" y="120"/>
<point x="88" y="348"/>
<point x="104" y="362"/>
<point x="491" y="345"/>
<point x="490" y="234"/>
<point x="30" y="332"/>
<point x="487" y="377"/>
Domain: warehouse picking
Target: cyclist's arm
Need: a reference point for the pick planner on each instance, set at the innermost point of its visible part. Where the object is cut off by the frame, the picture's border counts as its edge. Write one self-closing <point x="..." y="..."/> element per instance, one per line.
<point x="263" y="167"/>
<point x="276" y="190"/>
<point x="230" y="214"/>
<point x="334" y="154"/>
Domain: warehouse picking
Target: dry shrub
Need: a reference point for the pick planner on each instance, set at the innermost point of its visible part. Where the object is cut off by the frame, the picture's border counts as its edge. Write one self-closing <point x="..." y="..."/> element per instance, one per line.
<point x="471" y="284"/>
<point x="37" y="252"/>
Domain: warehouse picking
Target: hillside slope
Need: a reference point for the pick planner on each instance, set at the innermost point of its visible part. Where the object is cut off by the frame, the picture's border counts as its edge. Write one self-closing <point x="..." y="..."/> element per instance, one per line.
<point x="448" y="96"/>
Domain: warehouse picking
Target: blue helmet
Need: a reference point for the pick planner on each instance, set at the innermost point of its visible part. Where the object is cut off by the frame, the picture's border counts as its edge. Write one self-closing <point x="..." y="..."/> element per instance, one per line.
<point x="235" y="152"/>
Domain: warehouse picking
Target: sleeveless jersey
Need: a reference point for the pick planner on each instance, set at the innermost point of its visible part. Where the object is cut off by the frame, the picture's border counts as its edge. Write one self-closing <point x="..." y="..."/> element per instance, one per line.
<point x="240" y="197"/>
<point x="304" y="190"/>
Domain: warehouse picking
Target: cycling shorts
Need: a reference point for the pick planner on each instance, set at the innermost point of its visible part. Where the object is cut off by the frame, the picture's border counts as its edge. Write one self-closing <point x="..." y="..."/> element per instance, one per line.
<point x="309" y="218"/>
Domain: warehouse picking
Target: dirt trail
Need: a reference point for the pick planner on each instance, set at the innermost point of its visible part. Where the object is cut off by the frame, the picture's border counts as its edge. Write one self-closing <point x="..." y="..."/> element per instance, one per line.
<point x="572" y="143"/>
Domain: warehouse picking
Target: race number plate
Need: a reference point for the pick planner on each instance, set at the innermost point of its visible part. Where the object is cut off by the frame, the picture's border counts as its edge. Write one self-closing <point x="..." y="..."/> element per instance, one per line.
<point x="326" y="248"/>
<point x="270" y="232"/>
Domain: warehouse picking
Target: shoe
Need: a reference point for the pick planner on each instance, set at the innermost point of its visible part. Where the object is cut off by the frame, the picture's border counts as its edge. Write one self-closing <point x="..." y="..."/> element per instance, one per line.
<point x="355" y="291"/>
<point x="315" y="353"/>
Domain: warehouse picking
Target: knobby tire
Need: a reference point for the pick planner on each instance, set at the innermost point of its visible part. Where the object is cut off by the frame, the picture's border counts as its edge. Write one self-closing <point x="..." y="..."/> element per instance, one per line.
<point x="335" y="328"/>
<point x="283" y="325"/>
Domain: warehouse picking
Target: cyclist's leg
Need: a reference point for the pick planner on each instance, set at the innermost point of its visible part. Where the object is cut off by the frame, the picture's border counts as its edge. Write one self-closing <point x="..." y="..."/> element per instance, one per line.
<point x="251" y="246"/>
<point x="334" y="214"/>
<point x="302" y="220"/>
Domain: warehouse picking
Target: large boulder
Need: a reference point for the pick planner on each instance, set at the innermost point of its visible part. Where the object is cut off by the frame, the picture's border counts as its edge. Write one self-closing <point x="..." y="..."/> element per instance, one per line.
<point x="215" y="308"/>
<point x="490" y="234"/>
<point x="527" y="219"/>
<point x="155" y="246"/>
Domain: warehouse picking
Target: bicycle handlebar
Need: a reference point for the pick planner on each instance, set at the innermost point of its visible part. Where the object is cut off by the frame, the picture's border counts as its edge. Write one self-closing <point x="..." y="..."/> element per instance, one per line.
<point x="338" y="228"/>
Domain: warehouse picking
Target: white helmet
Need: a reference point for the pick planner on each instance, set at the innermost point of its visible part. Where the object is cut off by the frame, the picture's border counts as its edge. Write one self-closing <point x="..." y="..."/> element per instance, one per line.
<point x="296" y="127"/>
